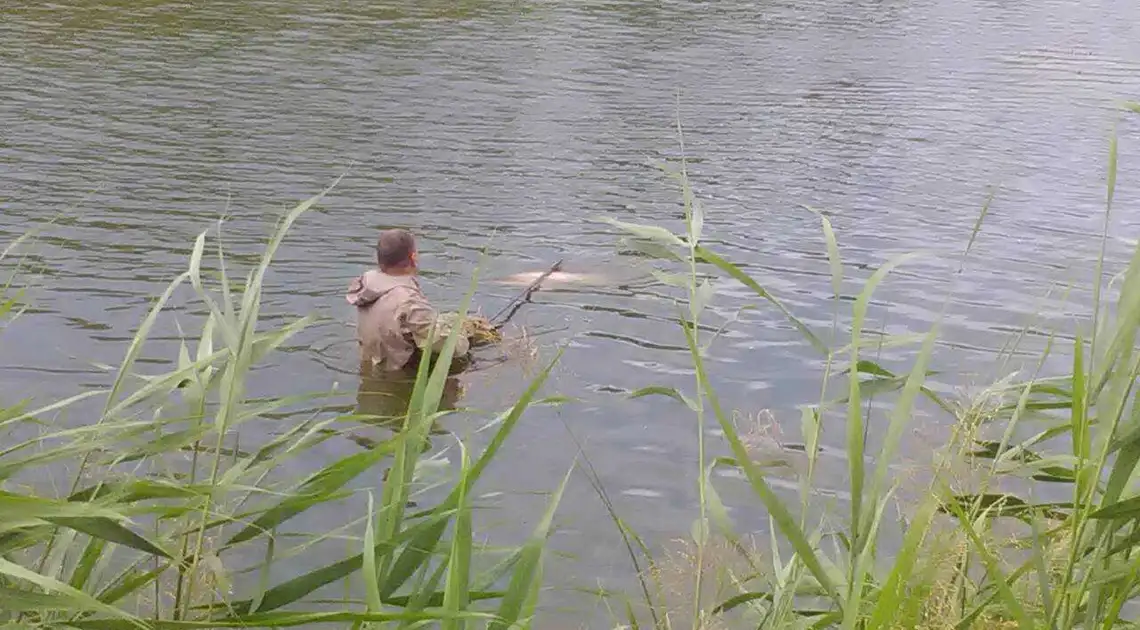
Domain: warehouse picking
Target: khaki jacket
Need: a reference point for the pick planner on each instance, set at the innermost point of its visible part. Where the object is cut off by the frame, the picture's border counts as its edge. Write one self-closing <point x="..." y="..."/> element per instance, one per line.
<point x="394" y="319"/>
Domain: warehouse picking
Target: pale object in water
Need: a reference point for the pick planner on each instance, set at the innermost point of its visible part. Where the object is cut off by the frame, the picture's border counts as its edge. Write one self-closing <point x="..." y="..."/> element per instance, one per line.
<point x="557" y="277"/>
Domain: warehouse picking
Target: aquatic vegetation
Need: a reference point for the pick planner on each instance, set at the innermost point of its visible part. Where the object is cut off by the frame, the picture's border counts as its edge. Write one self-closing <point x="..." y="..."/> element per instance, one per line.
<point x="176" y="507"/>
<point x="974" y="545"/>
<point x="478" y="329"/>
<point x="179" y="510"/>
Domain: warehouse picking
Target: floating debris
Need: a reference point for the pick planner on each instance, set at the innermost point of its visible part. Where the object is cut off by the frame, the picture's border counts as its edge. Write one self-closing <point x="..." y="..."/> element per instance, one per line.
<point x="478" y="329"/>
<point x="642" y="492"/>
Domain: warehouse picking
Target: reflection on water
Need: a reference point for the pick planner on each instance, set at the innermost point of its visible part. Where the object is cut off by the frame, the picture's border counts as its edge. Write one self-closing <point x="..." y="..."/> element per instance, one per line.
<point x="386" y="395"/>
<point x="500" y="132"/>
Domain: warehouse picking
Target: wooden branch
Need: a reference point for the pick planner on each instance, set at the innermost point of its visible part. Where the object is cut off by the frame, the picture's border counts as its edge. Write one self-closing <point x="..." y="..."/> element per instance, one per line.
<point x="514" y="305"/>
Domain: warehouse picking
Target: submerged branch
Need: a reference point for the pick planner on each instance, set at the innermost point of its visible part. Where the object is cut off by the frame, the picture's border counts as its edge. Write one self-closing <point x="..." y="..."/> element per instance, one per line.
<point x="514" y="305"/>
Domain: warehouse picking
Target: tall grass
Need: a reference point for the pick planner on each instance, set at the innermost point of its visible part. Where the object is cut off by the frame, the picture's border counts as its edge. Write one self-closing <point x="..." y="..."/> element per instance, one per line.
<point x="973" y="553"/>
<point x="164" y="512"/>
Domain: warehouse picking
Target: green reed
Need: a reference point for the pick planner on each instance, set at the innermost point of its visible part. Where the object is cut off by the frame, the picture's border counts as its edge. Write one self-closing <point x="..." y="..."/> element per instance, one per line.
<point x="971" y="555"/>
<point x="147" y="537"/>
<point x="163" y="510"/>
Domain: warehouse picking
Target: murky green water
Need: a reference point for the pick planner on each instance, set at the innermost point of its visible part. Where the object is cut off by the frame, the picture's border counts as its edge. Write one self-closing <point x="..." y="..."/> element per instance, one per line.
<point x="512" y="126"/>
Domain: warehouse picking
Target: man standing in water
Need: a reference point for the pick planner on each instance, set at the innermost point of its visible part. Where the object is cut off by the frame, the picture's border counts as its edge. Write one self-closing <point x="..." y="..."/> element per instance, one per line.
<point x="395" y="321"/>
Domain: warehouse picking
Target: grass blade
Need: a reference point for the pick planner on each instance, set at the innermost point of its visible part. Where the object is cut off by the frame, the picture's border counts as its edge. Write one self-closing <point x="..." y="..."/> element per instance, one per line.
<point x="417" y="553"/>
<point x="293" y="590"/>
<point x="110" y="531"/>
<point x="80" y="601"/>
<point x="777" y="509"/>
<point x="371" y="577"/>
<point x="20" y="601"/>
<point x="525" y="582"/>
<point x="322" y="484"/>
<point x="459" y="563"/>
<point x="855" y="427"/>
<point x="993" y="570"/>
<point x="705" y="255"/>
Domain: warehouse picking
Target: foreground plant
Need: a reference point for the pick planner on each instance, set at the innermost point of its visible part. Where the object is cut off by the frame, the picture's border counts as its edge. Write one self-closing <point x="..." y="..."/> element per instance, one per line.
<point x="168" y="504"/>
<point x="963" y="555"/>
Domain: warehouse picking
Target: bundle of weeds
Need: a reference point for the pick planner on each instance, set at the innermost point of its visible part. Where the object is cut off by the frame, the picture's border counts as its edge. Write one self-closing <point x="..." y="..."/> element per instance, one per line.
<point x="478" y="330"/>
<point x="1013" y="559"/>
<point x="181" y="511"/>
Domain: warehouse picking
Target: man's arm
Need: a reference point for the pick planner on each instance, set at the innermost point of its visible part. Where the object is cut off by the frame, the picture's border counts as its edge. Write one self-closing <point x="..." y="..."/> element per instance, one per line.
<point x="420" y="318"/>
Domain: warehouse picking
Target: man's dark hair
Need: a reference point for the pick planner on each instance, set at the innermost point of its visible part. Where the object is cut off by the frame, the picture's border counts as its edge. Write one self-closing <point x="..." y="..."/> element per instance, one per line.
<point x="394" y="248"/>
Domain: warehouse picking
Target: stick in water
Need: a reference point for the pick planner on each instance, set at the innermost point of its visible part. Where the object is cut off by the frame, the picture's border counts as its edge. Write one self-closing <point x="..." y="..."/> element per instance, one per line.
<point x="514" y="305"/>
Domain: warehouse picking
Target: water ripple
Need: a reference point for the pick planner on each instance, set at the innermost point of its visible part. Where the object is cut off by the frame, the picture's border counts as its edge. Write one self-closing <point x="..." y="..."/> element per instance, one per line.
<point x="490" y="129"/>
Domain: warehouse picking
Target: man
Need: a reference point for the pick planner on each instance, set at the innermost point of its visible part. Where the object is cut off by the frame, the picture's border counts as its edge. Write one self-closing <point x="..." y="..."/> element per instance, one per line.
<point x="395" y="321"/>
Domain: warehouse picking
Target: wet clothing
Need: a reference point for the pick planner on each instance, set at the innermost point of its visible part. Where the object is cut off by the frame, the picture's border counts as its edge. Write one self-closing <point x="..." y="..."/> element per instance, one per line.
<point x="387" y="395"/>
<point x="395" y="320"/>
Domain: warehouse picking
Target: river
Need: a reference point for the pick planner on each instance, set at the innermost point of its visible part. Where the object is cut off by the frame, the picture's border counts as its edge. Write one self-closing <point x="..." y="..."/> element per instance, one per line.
<point x="513" y="127"/>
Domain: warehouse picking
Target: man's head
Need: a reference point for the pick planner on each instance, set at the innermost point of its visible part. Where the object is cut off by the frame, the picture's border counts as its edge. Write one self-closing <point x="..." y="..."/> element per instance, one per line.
<point x="396" y="252"/>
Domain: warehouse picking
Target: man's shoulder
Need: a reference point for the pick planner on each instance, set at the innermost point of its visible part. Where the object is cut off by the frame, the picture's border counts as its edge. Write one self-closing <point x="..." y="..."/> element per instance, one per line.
<point x="411" y="293"/>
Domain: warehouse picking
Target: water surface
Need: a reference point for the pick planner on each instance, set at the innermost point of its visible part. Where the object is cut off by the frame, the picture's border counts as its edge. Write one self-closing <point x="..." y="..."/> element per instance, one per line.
<point x="512" y="127"/>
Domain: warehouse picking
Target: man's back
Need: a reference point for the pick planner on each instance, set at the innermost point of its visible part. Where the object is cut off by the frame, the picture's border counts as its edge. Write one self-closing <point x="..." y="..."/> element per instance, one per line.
<point x="394" y="319"/>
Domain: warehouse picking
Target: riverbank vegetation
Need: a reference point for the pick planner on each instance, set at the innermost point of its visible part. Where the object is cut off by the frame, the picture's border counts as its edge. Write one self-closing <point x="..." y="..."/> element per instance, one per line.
<point x="974" y="545"/>
<point x="176" y="514"/>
